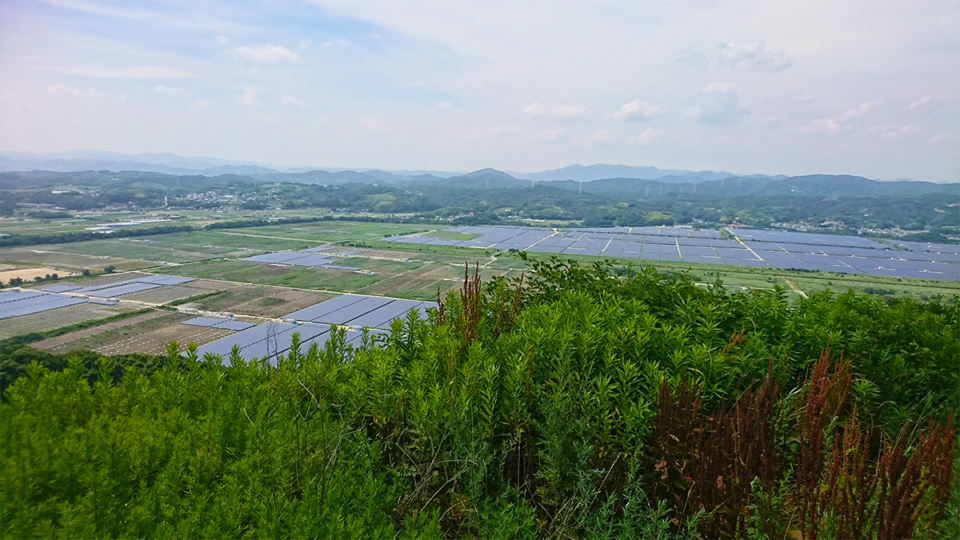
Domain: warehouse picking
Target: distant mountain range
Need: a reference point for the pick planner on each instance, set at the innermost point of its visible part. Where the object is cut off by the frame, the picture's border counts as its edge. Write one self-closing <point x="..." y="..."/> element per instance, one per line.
<point x="94" y="160"/>
<point x="612" y="181"/>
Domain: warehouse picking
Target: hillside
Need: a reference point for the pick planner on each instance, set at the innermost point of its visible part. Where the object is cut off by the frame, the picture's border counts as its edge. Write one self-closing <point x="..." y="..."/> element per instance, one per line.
<point x="579" y="405"/>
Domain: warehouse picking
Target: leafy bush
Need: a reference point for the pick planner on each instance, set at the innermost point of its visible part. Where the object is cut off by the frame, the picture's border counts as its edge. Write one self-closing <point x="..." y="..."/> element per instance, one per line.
<point x="568" y="403"/>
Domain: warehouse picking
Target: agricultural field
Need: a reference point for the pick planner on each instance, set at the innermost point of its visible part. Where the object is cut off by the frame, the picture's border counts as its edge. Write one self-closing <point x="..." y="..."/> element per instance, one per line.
<point x="223" y="283"/>
<point x="149" y="335"/>
<point x="58" y="318"/>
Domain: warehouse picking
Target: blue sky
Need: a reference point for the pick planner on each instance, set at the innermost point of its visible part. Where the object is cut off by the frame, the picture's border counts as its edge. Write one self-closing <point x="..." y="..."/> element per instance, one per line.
<point x="866" y="88"/>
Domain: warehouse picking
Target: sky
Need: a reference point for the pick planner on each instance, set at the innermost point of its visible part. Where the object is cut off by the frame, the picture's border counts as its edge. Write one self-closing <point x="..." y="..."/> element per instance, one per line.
<point x="772" y="87"/>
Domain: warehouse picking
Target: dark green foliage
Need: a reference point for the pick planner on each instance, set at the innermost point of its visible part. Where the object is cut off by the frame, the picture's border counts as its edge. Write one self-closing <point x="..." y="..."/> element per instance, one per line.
<point x="82" y="236"/>
<point x="574" y="403"/>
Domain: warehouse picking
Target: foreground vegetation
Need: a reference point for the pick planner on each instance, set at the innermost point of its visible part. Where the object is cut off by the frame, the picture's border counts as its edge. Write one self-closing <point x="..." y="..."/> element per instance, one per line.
<point x="574" y="403"/>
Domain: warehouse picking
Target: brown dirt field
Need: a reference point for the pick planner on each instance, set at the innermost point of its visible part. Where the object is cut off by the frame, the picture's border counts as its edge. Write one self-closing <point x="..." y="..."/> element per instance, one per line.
<point x="443" y="271"/>
<point x="149" y="336"/>
<point x="156" y="342"/>
<point x="253" y="300"/>
<point x="206" y="284"/>
<point x="27" y="274"/>
<point x="292" y="300"/>
<point x="398" y="255"/>
<point x="54" y="343"/>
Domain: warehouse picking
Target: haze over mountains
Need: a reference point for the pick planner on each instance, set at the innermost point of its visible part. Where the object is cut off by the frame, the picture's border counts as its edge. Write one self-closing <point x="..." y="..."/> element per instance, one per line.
<point x="613" y="181"/>
<point x="86" y="160"/>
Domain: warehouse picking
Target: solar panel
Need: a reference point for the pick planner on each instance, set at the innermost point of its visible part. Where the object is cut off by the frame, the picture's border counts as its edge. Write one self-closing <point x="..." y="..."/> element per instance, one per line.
<point x="208" y="322"/>
<point x="310" y="260"/>
<point x="381" y="317"/>
<point x="312" y="313"/>
<point x="18" y="309"/>
<point x="87" y="290"/>
<point x="164" y="280"/>
<point x="59" y="288"/>
<point x="351" y="312"/>
<point x="123" y="289"/>
<point x="11" y="296"/>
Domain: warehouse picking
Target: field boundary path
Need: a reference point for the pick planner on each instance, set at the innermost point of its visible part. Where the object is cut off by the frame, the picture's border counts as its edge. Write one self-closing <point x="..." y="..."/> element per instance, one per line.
<point x="795" y="288"/>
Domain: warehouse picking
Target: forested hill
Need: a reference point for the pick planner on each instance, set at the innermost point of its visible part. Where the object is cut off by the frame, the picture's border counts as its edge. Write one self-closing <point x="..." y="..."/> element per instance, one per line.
<point x="820" y="185"/>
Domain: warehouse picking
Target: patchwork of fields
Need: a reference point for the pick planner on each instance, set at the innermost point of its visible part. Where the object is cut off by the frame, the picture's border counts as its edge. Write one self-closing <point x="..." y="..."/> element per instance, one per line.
<point x="267" y="277"/>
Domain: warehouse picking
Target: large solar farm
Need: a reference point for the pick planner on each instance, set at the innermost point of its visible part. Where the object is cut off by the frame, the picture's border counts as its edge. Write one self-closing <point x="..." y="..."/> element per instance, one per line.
<point x="247" y="291"/>
<point x="772" y="249"/>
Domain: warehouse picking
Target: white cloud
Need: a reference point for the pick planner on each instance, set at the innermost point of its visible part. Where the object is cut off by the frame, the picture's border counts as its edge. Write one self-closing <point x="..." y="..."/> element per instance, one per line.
<point x="560" y="112"/>
<point x="941" y="137"/>
<point x="693" y="60"/>
<point x="841" y="123"/>
<point x="551" y="136"/>
<point x="717" y="104"/>
<point x="249" y="97"/>
<point x="803" y="99"/>
<point x="858" y="111"/>
<point x="271" y="54"/>
<point x="892" y="132"/>
<point x="122" y="98"/>
<point x="772" y="120"/>
<point x="638" y="110"/>
<point x="199" y="105"/>
<point x="901" y="131"/>
<point x="291" y="101"/>
<point x="168" y="91"/>
<point x="923" y="105"/>
<point x="647" y="136"/>
<point x="222" y="40"/>
<point x="444" y="105"/>
<point x="753" y="57"/>
<point x="59" y="89"/>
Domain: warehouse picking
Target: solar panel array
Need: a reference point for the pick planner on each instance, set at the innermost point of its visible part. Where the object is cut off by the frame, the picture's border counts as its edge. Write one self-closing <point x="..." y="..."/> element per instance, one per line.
<point x="307" y="257"/>
<point x="610" y="242"/>
<point x="853" y="255"/>
<point x="18" y="303"/>
<point x="270" y="340"/>
<point x="226" y="324"/>
<point x="26" y="302"/>
<point x="760" y="248"/>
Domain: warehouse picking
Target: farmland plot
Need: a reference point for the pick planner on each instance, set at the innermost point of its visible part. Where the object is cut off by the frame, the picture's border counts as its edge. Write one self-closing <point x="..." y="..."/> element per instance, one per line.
<point x="163" y="295"/>
<point x="57" y="318"/>
<point x="147" y="336"/>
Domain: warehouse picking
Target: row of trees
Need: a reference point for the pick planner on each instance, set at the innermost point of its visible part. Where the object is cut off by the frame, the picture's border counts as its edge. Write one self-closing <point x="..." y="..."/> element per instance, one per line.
<point x="571" y="403"/>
